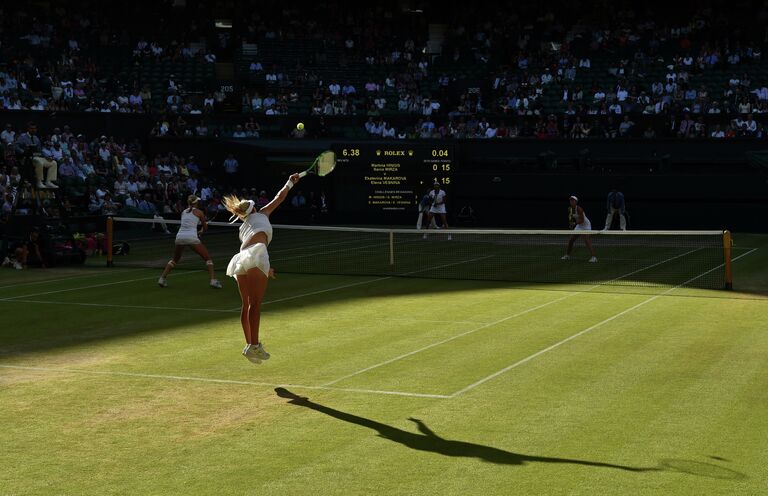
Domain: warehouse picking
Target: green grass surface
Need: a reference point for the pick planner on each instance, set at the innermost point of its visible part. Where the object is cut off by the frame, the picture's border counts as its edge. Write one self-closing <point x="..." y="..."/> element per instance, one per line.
<point x="111" y="385"/>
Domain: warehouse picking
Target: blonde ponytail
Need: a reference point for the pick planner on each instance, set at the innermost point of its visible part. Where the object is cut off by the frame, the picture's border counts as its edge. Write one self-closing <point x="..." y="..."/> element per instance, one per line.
<point x="236" y="206"/>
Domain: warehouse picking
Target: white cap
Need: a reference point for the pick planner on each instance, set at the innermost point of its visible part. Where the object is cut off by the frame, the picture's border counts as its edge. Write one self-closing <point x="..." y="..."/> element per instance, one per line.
<point x="572" y="197"/>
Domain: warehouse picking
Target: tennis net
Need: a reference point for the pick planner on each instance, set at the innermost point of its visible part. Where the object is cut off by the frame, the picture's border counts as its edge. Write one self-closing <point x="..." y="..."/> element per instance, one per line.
<point x="631" y="258"/>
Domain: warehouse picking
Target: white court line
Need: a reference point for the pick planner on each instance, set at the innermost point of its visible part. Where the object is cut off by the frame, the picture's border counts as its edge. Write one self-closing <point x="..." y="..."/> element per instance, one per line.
<point x="320" y="246"/>
<point x="220" y="381"/>
<point x="369" y="281"/>
<point x="371" y="391"/>
<point x="485" y="326"/>
<point x="108" y="305"/>
<point x="319" y="291"/>
<point x="181" y="273"/>
<point x="294" y="297"/>
<point x="588" y="329"/>
<point x="431" y="321"/>
<point x="405" y="355"/>
<point x="316" y="254"/>
<point x="45" y="281"/>
<point x="218" y="310"/>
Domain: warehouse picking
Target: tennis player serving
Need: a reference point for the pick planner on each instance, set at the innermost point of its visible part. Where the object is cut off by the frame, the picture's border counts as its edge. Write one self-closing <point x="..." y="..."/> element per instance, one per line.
<point x="250" y="267"/>
<point x="578" y="221"/>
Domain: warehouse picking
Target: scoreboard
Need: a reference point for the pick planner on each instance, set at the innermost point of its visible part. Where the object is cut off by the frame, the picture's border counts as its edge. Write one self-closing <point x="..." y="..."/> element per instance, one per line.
<point x="389" y="177"/>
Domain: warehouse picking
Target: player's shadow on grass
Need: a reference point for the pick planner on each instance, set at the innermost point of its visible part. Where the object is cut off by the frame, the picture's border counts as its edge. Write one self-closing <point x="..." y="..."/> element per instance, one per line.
<point x="427" y="440"/>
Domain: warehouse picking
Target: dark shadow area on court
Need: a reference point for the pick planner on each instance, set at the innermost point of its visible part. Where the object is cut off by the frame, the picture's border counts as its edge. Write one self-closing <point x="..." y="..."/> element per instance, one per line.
<point x="74" y="315"/>
<point x="624" y="262"/>
<point x="427" y="440"/>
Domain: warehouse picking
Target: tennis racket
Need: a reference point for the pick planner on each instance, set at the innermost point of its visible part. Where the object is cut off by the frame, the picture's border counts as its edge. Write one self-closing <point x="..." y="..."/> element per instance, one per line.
<point x="323" y="164"/>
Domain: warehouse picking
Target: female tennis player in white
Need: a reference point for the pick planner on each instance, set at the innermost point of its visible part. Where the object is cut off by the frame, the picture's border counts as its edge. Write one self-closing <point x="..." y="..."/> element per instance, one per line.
<point x="578" y="221"/>
<point x="189" y="235"/>
<point x="251" y="266"/>
<point x="437" y="198"/>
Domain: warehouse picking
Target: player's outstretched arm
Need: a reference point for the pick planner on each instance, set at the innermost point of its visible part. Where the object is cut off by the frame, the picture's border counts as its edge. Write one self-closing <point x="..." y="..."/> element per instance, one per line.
<point x="423" y="427"/>
<point x="281" y="195"/>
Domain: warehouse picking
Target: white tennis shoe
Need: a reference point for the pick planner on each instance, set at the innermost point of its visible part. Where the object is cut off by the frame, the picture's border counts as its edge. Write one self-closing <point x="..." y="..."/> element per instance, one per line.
<point x="162" y="282"/>
<point x="593" y="259"/>
<point x="249" y="352"/>
<point x="260" y="352"/>
<point x="565" y="257"/>
<point x="215" y="284"/>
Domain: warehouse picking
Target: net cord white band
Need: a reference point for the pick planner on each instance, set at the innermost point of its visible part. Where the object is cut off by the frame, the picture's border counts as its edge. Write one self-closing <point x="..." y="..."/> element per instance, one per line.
<point x="455" y="231"/>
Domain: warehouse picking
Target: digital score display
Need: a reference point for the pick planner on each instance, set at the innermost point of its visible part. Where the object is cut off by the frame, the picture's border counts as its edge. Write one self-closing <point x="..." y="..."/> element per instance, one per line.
<point x="390" y="177"/>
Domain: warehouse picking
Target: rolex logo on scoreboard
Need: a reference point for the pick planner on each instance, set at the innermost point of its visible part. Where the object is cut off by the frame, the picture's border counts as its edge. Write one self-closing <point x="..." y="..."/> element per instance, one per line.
<point x="410" y="153"/>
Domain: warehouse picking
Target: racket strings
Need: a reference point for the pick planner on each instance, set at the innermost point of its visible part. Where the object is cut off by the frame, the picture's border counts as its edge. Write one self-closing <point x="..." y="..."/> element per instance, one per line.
<point x="326" y="163"/>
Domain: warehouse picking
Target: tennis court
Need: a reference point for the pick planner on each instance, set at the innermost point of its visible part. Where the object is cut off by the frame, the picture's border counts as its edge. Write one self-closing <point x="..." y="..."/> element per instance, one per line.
<point x="626" y="380"/>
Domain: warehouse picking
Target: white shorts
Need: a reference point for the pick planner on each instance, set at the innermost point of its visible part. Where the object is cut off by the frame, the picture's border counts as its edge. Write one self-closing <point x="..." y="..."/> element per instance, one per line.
<point x="253" y="256"/>
<point x="587" y="226"/>
<point x="187" y="240"/>
<point x="437" y="209"/>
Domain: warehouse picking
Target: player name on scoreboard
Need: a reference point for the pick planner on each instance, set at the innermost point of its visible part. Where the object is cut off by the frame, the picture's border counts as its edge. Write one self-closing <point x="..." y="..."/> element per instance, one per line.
<point x="395" y="177"/>
<point x="383" y="177"/>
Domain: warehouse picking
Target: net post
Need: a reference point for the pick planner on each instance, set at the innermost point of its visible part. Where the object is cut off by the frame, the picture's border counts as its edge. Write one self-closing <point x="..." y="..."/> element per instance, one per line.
<point x="391" y="248"/>
<point x="727" y="243"/>
<point x="109" y="239"/>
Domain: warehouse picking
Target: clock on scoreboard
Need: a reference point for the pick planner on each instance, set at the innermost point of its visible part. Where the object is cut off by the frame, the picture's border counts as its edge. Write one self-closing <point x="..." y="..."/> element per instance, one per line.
<point x="389" y="177"/>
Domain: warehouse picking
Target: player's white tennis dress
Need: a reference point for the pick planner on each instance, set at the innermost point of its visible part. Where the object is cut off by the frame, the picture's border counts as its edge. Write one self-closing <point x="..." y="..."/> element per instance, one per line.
<point x="187" y="234"/>
<point x="255" y="255"/>
<point x="438" y="202"/>
<point x="584" y="226"/>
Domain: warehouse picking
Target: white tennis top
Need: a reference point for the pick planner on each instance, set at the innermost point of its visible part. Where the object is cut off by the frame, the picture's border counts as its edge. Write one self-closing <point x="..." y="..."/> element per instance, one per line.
<point x="189" y="223"/>
<point x="586" y="225"/>
<point x="253" y="224"/>
<point x="438" y="202"/>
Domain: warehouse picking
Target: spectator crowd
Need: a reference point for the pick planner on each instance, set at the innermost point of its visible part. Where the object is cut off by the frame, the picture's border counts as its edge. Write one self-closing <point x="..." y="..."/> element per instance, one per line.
<point x="571" y="70"/>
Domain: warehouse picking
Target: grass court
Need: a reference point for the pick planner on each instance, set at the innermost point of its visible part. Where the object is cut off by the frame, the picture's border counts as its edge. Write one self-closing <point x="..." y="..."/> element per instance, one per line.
<point x="382" y="385"/>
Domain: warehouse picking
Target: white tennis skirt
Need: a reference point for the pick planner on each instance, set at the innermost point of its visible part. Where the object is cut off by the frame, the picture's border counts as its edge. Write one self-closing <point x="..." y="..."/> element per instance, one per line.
<point x="437" y="209"/>
<point x="587" y="226"/>
<point x="187" y="240"/>
<point x="253" y="256"/>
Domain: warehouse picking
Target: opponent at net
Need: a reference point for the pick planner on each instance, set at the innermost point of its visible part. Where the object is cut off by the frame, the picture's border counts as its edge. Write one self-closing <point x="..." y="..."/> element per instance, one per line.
<point x="578" y="221"/>
<point x="250" y="267"/>
<point x="189" y="236"/>
<point x="437" y="206"/>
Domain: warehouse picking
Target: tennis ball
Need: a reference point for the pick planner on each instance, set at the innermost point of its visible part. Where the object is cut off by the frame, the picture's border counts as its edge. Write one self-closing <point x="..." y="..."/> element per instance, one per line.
<point x="300" y="126"/>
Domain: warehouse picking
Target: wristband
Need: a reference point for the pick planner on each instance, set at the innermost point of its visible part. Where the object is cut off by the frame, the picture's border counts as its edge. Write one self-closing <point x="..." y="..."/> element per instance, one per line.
<point x="289" y="184"/>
